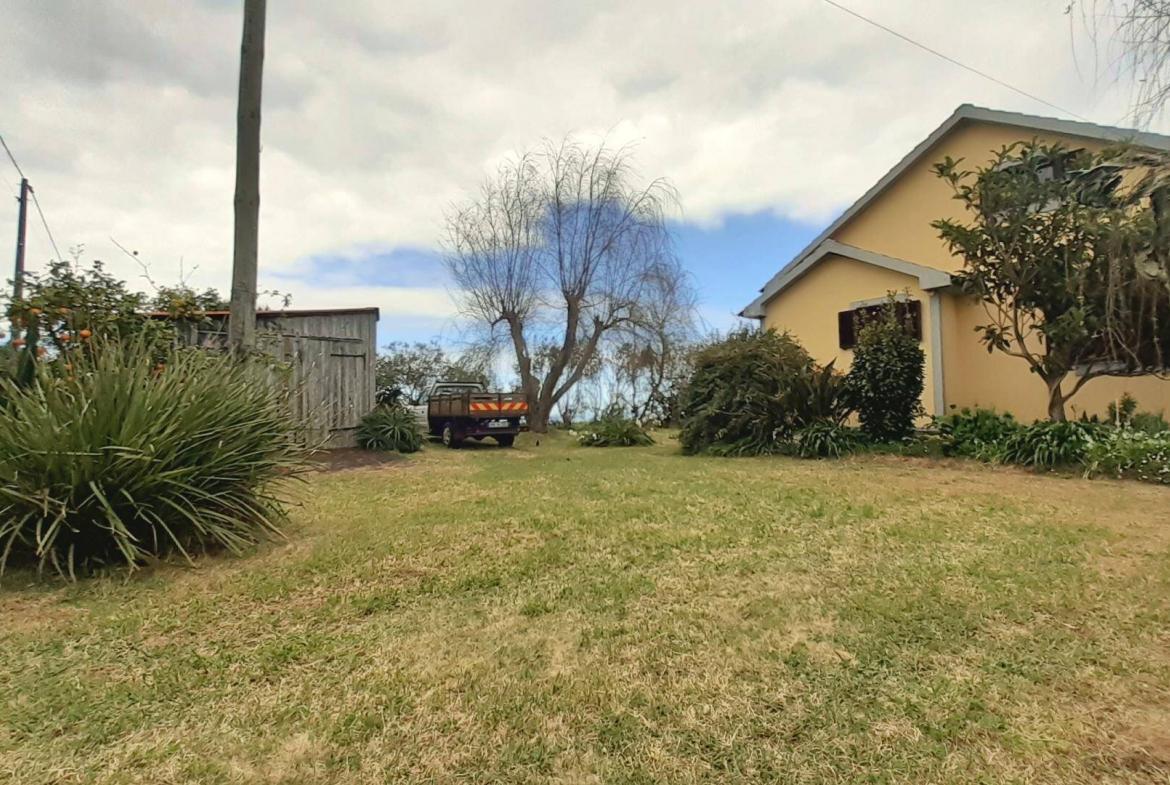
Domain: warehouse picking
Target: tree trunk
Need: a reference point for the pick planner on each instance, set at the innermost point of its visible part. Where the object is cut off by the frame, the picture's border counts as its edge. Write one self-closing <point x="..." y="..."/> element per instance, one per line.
<point x="1056" y="400"/>
<point x="242" y="316"/>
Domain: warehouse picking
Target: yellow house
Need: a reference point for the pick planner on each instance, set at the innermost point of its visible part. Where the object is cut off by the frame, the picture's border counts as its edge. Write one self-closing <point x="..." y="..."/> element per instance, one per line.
<point x="884" y="243"/>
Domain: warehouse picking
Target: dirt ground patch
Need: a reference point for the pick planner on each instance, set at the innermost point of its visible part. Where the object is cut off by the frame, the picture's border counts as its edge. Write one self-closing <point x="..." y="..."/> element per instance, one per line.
<point x="346" y="458"/>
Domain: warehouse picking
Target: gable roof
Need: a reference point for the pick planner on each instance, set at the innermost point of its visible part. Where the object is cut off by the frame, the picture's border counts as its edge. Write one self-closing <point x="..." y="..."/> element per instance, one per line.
<point x="965" y="113"/>
<point x="928" y="277"/>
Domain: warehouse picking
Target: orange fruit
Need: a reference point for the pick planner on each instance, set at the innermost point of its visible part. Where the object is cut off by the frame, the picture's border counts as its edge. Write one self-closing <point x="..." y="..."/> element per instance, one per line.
<point x="85" y="333"/>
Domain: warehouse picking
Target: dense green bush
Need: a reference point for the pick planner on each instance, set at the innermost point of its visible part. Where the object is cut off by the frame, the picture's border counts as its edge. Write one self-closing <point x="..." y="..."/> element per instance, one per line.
<point x="1129" y="453"/>
<point x="390" y="428"/>
<point x="825" y="439"/>
<point x="742" y="397"/>
<point x="886" y="378"/>
<point x="110" y="457"/>
<point x="973" y="432"/>
<point x="1048" y="444"/>
<point x="1149" y="422"/>
<point x="614" y="430"/>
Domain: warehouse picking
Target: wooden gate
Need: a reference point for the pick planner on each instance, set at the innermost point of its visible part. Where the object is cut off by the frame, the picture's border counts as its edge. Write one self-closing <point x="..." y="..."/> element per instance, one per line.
<point x="328" y="383"/>
<point x="324" y="361"/>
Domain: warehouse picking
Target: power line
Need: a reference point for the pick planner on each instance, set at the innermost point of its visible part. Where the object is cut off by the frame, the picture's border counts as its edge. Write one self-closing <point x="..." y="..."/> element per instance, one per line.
<point x="36" y="202"/>
<point x="44" y="223"/>
<point x="11" y="157"/>
<point x="953" y="61"/>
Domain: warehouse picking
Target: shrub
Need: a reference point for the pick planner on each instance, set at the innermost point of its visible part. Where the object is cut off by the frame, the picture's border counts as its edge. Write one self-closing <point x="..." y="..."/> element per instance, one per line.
<point x="1149" y="422"/>
<point x="886" y="379"/>
<point x="825" y="439"/>
<point x="972" y="432"/>
<point x="113" y="458"/>
<point x="390" y="428"/>
<point x="1048" y="444"/>
<point x="741" y="397"/>
<point x="821" y="395"/>
<point x="1128" y="453"/>
<point x="613" y="429"/>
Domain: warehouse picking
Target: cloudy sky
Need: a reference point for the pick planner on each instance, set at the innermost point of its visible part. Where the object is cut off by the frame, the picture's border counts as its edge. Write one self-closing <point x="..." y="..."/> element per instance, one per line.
<point x="769" y="116"/>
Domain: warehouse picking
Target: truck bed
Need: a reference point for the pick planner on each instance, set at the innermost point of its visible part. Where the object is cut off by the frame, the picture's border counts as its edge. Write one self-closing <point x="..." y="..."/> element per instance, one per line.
<point x="480" y="405"/>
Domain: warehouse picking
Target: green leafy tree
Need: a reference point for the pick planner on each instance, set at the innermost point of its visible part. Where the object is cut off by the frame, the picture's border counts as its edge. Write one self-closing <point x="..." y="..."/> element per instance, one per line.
<point x="1063" y="258"/>
<point x="886" y="379"/>
<point x="412" y="369"/>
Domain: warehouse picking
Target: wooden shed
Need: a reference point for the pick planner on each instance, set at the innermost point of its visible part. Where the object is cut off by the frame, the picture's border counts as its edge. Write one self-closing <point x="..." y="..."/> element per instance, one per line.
<point x="331" y="355"/>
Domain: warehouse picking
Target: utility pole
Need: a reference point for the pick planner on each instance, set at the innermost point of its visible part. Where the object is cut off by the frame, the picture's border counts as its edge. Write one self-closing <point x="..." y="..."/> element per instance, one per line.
<point x="242" y="316"/>
<point x="21" y="224"/>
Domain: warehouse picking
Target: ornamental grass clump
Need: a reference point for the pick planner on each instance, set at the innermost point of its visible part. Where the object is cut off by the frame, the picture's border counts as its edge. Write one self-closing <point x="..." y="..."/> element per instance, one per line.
<point x="391" y="428"/>
<point x="115" y="458"/>
<point x="615" y="430"/>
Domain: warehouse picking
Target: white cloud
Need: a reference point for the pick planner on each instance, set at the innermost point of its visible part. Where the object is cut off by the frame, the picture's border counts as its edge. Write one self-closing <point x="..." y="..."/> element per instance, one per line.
<point x="377" y="117"/>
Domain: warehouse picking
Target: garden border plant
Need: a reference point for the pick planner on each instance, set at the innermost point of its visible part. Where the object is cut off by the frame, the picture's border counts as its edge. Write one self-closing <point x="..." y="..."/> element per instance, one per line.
<point x="111" y="457"/>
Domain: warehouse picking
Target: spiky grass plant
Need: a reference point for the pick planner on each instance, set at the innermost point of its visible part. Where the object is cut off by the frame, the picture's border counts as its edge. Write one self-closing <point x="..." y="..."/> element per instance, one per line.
<point x="116" y="458"/>
<point x="390" y="428"/>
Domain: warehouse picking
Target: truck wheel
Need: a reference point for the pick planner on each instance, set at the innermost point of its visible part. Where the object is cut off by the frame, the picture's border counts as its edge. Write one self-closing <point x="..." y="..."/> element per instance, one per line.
<point x="506" y="439"/>
<point x="451" y="437"/>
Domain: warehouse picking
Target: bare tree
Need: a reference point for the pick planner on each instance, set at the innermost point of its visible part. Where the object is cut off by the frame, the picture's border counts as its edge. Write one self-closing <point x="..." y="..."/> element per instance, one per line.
<point x="1136" y="42"/>
<point x="651" y="347"/>
<point x="242" y="319"/>
<point x="562" y="247"/>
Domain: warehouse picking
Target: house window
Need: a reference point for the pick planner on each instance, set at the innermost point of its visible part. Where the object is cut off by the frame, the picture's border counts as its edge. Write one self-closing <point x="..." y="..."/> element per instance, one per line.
<point x="851" y="321"/>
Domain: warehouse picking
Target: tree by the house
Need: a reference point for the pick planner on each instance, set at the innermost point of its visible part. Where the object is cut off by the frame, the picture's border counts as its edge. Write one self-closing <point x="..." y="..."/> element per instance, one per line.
<point x="561" y="247"/>
<point x="1061" y="254"/>
<point x="406" y="371"/>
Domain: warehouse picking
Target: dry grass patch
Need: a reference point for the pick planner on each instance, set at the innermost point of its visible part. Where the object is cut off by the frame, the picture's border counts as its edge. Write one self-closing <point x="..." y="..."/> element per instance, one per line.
<point x="554" y="614"/>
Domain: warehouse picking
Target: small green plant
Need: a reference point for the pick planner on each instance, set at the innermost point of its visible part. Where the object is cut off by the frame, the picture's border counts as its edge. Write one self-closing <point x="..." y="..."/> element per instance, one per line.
<point x="886" y="378"/>
<point x="1123" y="413"/>
<point x="1120" y="412"/>
<point x="821" y="395"/>
<point x="1149" y="422"/>
<point x="389" y="429"/>
<point x="825" y="439"/>
<point x="972" y="432"/>
<point x="1048" y="444"/>
<point x="614" y="430"/>
<point x="113" y="457"/>
<point x="1129" y="453"/>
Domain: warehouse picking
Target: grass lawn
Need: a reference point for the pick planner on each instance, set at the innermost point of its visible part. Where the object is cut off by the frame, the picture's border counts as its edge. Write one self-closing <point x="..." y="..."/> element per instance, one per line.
<point x="559" y="614"/>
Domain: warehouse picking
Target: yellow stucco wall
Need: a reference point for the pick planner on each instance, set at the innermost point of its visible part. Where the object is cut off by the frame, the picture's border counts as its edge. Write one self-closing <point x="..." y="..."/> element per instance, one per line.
<point x="974" y="377"/>
<point x="897" y="224"/>
<point x="809" y="307"/>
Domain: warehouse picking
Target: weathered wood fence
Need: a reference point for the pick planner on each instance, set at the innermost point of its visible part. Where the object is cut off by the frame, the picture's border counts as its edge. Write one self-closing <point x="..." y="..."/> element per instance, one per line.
<point x="328" y="358"/>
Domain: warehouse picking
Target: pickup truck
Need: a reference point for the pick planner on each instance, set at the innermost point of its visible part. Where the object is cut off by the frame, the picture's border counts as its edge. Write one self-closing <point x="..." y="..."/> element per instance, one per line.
<point x="456" y="411"/>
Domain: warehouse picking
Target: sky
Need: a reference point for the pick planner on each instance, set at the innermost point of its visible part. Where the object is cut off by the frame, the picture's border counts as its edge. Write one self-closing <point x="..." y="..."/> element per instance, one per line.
<point x="768" y="117"/>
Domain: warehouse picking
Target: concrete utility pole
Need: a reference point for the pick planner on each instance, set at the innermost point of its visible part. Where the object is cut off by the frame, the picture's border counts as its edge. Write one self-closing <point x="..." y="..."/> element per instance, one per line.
<point x="242" y="316"/>
<point x="21" y="224"/>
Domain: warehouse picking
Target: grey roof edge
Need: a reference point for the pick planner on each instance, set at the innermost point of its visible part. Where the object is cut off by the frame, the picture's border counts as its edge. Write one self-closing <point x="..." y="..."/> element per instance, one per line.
<point x="968" y="112"/>
<point x="928" y="277"/>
